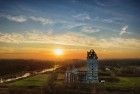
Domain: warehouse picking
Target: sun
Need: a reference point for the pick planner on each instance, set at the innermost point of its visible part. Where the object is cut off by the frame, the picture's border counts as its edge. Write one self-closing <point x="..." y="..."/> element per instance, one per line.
<point x="58" y="51"/>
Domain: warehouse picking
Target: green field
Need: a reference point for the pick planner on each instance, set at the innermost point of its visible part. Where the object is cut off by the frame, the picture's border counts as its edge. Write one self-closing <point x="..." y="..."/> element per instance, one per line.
<point x="124" y="83"/>
<point x="42" y="79"/>
<point x="38" y="80"/>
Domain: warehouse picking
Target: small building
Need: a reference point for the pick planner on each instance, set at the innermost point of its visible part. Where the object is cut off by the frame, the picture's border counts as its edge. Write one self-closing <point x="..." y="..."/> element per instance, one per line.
<point x="87" y="75"/>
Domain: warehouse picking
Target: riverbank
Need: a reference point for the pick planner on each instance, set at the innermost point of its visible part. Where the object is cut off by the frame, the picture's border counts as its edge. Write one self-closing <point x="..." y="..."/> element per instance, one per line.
<point x="28" y="75"/>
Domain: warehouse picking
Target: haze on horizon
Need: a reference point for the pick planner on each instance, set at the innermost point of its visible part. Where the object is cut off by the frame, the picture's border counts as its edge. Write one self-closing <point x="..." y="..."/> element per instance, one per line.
<point x="34" y="29"/>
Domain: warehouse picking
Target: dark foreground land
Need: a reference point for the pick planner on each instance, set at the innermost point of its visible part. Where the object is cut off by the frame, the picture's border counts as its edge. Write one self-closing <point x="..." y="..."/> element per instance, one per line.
<point x="120" y="76"/>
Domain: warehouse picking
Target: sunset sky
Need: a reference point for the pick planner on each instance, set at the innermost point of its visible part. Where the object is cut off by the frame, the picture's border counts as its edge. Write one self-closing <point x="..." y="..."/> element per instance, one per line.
<point x="33" y="29"/>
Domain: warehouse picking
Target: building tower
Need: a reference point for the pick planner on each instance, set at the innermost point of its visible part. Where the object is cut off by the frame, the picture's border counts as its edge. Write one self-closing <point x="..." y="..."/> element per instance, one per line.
<point x="92" y="67"/>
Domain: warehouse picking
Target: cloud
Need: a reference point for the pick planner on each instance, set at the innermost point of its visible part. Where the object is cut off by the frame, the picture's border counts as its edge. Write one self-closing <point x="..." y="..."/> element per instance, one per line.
<point x="115" y="42"/>
<point x="70" y="38"/>
<point x="75" y="39"/>
<point x="11" y="37"/>
<point x="124" y="30"/>
<point x="106" y="3"/>
<point x="85" y="29"/>
<point x="107" y="20"/>
<point x="104" y="20"/>
<point x="42" y="20"/>
<point x="112" y="20"/>
<point x="82" y="17"/>
<point x="19" y="37"/>
<point x="89" y="29"/>
<point x="19" y="19"/>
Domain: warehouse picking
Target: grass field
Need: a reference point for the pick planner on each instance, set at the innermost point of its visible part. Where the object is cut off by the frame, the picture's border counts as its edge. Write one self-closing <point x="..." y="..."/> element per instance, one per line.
<point x="124" y="83"/>
<point x="42" y="79"/>
<point x="38" y="80"/>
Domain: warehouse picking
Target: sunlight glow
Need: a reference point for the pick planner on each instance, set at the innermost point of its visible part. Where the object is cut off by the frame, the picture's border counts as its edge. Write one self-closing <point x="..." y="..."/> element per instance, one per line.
<point x="58" y="51"/>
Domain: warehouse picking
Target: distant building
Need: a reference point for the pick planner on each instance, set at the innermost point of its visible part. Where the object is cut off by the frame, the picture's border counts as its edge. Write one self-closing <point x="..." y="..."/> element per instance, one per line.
<point x="85" y="75"/>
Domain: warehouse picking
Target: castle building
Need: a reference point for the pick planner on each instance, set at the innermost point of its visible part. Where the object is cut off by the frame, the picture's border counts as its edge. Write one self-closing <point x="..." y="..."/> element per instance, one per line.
<point x="88" y="75"/>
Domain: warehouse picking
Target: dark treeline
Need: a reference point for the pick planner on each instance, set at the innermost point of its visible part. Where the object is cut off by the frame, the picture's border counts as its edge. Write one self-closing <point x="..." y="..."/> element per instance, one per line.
<point x="121" y="67"/>
<point x="104" y="62"/>
<point x="77" y="63"/>
<point x="19" y="66"/>
<point x="119" y="62"/>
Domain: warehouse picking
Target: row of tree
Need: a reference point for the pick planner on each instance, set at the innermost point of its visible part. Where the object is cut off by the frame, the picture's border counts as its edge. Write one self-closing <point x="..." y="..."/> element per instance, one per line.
<point x="13" y="67"/>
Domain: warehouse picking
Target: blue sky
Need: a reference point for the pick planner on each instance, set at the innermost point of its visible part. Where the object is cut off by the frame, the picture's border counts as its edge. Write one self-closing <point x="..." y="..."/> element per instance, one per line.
<point x="100" y="21"/>
<point x="109" y="16"/>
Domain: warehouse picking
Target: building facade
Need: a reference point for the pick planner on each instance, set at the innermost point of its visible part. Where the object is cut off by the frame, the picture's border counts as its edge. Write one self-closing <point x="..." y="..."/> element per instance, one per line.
<point x="92" y="67"/>
<point x="89" y="75"/>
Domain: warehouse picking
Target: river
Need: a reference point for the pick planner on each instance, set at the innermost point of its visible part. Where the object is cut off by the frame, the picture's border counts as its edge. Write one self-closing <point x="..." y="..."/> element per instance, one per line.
<point x="29" y="74"/>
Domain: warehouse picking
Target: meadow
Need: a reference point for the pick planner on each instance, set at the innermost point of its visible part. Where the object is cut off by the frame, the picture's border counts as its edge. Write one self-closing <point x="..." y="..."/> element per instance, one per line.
<point x="35" y="81"/>
<point x="124" y="83"/>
